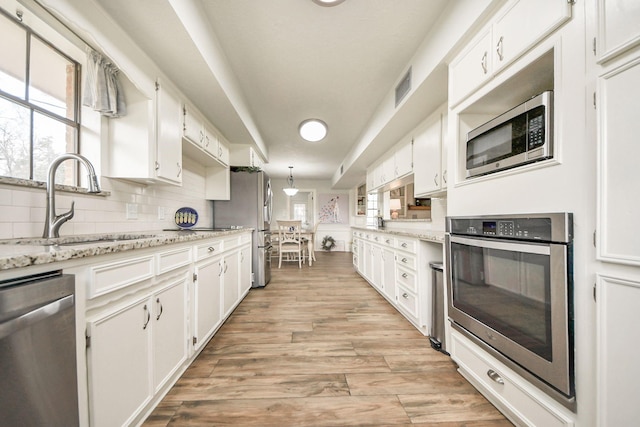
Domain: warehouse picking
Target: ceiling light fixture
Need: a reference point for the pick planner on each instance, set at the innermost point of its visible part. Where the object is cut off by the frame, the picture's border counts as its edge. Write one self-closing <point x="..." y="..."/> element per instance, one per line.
<point x="328" y="3"/>
<point x="313" y="130"/>
<point x="291" y="190"/>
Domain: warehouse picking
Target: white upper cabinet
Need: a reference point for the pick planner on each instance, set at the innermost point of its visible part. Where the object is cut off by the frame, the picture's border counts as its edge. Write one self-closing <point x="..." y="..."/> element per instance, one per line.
<point x="192" y="128"/>
<point x="428" y="151"/>
<point x="203" y="143"/>
<point x="471" y="68"/>
<point x="245" y="155"/>
<point x="145" y="145"/>
<point x="169" y="147"/>
<point x="518" y="26"/>
<point x="618" y="27"/>
<point x="403" y="160"/>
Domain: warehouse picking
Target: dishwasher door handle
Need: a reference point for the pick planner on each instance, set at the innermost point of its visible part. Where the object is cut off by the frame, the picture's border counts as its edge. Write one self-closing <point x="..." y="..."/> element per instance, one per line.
<point x="40" y="313"/>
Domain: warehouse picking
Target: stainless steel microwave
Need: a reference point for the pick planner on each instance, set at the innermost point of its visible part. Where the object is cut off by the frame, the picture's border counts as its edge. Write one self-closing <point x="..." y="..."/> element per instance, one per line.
<point x="519" y="136"/>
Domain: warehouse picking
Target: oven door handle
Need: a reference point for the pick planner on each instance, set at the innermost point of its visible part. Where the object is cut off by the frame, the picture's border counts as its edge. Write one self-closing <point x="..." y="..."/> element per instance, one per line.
<point x="511" y="246"/>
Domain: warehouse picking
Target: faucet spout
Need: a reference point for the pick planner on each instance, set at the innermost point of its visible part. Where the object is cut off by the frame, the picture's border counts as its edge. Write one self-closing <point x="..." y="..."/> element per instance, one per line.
<point x="53" y="222"/>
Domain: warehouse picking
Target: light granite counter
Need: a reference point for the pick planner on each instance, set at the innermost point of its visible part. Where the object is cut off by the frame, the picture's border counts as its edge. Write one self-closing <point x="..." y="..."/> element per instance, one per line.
<point x="17" y="253"/>
<point x="427" y="235"/>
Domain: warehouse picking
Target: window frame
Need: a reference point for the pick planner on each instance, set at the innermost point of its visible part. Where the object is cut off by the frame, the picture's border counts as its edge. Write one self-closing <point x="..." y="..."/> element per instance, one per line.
<point x="75" y="123"/>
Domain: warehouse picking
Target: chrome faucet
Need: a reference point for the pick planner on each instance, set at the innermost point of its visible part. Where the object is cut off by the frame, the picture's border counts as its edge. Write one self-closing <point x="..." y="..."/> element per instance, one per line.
<point x="53" y="222"/>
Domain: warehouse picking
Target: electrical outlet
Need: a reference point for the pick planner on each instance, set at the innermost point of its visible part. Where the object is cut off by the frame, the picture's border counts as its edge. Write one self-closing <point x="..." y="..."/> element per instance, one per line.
<point x="161" y="213"/>
<point x="132" y="211"/>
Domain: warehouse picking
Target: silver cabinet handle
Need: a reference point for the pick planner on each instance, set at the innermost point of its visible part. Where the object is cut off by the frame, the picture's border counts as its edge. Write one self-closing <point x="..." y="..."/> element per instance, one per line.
<point x="206" y="141"/>
<point x="405" y="275"/>
<point x="201" y="137"/>
<point x="499" y="49"/>
<point x="211" y="249"/>
<point x="159" y="305"/>
<point x="221" y="268"/>
<point x="405" y="295"/>
<point x="179" y="170"/>
<point x="483" y="63"/>
<point x="387" y="241"/>
<point x="225" y="266"/>
<point x="444" y="176"/>
<point x="146" y="310"/>
<point x="495" y="376"/>
<point x="404" y="260"/>
<point x="404" y="245"/>
<point x="435" y="179"/>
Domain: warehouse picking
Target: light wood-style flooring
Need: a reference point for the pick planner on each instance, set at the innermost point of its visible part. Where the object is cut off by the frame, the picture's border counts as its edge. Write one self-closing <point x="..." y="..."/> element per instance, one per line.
<point x="319" y="347"/>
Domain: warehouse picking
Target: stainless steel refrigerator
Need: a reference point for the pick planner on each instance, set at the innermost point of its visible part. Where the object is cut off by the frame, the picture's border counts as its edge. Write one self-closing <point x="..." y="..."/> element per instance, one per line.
<point x="250" y="206"/>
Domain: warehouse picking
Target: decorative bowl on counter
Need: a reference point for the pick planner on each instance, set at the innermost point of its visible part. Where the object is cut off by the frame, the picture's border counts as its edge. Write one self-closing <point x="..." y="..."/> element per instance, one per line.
<point x="186" y="217"/>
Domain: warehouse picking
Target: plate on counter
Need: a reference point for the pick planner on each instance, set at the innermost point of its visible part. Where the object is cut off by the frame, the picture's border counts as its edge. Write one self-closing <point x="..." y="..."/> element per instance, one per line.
<point x="186" y="217"/>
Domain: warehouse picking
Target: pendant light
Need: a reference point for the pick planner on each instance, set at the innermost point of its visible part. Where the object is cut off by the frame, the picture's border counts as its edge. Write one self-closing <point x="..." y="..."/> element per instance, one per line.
<point x="291" y="190"/>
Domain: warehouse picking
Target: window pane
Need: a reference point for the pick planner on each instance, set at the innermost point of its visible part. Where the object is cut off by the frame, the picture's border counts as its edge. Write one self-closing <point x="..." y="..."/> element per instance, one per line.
<point x="14" y="140"/>
<point x="13" y="52"/>
<point x="52" y="80"/>
<point x="50" y="139"/>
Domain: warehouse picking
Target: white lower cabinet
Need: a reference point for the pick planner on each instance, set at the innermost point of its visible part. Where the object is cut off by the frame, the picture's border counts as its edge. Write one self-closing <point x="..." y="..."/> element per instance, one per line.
<point x="207" y="304"/>
<point x="132" y="351"/>
<point x="231" y="294"/>
<point x="245" y="269"/>
<point x="397" y="266"/>
<point x="521" y="402"/>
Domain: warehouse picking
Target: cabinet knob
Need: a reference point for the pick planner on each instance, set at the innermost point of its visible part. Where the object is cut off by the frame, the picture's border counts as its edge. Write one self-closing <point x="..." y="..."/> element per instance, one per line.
<point x="405" y="295"/>
<point x="405" y="275"/>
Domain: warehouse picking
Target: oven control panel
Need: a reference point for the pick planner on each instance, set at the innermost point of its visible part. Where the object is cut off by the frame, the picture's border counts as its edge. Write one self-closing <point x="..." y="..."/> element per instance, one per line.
<point x="541" y="227"/>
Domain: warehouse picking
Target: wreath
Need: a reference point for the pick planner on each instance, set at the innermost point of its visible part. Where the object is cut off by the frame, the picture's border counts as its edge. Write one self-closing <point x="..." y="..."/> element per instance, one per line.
<point x="328" y="243"/>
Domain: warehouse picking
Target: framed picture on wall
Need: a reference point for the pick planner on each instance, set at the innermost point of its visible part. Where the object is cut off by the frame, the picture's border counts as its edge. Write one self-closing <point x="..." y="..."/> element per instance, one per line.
<point x="333" y="208"/>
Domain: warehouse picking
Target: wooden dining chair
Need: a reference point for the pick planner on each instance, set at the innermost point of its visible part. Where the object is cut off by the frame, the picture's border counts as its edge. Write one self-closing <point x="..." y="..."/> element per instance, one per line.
<point x="290" y="241"/>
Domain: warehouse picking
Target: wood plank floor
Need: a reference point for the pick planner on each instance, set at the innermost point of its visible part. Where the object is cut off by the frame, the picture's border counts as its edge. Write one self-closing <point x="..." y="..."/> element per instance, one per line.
<point x="319" y="347"/>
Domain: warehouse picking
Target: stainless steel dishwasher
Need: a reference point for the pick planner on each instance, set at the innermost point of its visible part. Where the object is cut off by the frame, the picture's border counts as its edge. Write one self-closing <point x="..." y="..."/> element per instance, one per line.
<point x="38" y="351"/>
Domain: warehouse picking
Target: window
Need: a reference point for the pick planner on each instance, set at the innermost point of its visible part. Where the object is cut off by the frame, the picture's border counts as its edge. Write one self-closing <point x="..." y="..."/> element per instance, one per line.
<point x="39" y="105"/>
<point x="300" y="212"/>
<point x="372" y="209"/>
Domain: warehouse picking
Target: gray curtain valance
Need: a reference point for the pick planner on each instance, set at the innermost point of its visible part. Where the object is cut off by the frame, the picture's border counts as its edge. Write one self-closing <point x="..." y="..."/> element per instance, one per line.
<point x="103" y="91"/>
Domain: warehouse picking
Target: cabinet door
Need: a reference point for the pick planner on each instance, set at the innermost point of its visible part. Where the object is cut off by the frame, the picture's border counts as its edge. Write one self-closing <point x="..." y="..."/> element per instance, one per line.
<point x="245" y="269"/>
<point x="387" y="171"/>
<point x="404" y="160"/>
<point x="389" y="273"/>
<point x="210" y="141"/>
<point x="619" y="95"/>
<point x="231" y="273"/>
<point x="618" y="369"/>
<point x="376" y="268"/>
<point x="368" y="260"/>
<point x="444" y="149"/>
<point x="524" y="23"/>
<point x="223" y="151"/>
<point x="192" y="126"/>
<point x="471" y="69"/>
<point x="618" y="28"/>
<point x="169" y="331"/>
<point x="119" y="364"/>
<point x="426" y="146"/>
<point x="168" y="135"/>
<point x="208" y="307"/>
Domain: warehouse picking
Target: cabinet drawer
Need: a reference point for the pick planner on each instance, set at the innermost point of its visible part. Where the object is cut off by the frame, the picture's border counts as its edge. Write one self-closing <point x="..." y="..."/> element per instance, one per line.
<point x="106" y="278"/>
<point x="406" y="260"/>
<point x="408" y="301"/>
<point x="408" y="245"/>
<point x="407" y="278"/>
<point x="513" y="393"/>
<point x="208" y="250"/>
<point x="245" y="238"/>
<point x="170" y="260"/>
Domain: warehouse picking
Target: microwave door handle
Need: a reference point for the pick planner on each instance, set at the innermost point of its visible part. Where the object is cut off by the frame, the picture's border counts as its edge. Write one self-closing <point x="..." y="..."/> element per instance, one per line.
<point x="504" y="246"/>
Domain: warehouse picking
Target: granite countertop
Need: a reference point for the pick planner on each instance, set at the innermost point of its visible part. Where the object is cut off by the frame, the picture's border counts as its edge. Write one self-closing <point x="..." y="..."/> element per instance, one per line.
<point x="428" y="235"/>
<point x="25" y="252"/>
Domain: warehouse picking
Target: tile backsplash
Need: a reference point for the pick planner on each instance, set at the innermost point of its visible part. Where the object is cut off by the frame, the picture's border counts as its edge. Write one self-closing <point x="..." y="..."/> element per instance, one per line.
<point x="22" y="209"/>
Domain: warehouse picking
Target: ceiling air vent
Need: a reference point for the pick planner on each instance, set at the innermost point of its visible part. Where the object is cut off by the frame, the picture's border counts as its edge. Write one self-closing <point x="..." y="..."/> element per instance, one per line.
<point x="403" y="87"/>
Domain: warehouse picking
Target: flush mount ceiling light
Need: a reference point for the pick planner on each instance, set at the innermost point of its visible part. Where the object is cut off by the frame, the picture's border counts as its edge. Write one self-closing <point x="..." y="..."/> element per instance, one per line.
<point x="313" y="130"/>
<point x="291" y="190"/>
<point x="328" y="3"/>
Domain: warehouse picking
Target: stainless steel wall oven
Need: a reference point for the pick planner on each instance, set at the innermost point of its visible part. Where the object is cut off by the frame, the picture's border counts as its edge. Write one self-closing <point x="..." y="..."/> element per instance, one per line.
<point x="510" y="290"/>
